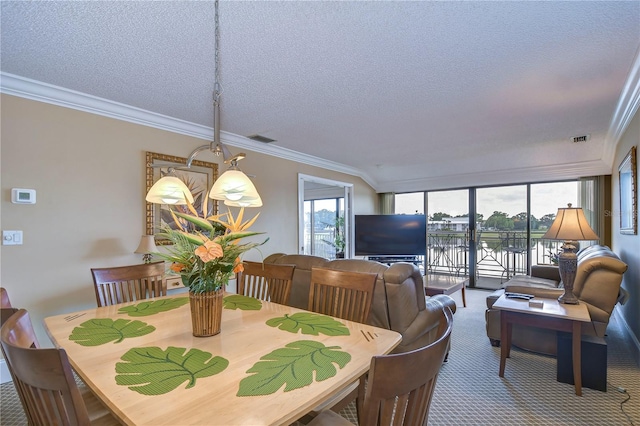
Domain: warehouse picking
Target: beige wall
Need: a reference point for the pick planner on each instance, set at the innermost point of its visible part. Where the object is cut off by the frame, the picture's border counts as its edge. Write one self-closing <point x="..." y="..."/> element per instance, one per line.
<point x="628" y="246"/>
<point x="88" y="172"/>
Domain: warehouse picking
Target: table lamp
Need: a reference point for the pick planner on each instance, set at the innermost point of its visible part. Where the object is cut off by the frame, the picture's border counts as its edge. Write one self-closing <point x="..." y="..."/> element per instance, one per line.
<point x="146" y="247"/>
<point x="569" y="225"/>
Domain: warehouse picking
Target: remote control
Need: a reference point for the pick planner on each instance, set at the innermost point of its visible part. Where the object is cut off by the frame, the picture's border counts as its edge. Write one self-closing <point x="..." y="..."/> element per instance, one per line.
<point x="519" y="296"/>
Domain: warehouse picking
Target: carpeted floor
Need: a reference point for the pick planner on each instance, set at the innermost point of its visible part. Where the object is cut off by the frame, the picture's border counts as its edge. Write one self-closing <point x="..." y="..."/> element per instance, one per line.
<point x="469" y="391"/>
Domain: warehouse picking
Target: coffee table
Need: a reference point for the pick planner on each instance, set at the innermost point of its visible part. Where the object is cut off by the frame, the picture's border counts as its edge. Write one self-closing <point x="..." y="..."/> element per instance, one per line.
<point x="444" y="284"/>
<point x="553" y="315"/>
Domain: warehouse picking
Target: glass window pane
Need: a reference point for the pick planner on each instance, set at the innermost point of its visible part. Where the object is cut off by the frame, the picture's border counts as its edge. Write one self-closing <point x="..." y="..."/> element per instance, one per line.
<point x="410" y="203"/>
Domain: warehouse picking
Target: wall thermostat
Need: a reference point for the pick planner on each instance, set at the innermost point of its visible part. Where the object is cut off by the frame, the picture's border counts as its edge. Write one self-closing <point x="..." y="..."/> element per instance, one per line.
<point x="23" y="196"/>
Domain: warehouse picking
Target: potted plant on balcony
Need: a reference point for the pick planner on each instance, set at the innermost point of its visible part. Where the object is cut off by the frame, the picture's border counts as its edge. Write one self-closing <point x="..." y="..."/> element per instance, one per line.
<point x="338" y="241"/>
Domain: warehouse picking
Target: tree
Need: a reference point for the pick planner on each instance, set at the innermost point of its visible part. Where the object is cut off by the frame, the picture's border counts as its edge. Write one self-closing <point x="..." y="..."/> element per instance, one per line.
<point x="439" y="216"/>
<point x="500" y="221"/>
<point x="520" y="221"/>
<point x="547" y="220"/>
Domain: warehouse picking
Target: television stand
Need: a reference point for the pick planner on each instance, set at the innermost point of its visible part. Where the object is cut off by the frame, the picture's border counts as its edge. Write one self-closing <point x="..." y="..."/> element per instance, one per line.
<point x="395" y="259"/>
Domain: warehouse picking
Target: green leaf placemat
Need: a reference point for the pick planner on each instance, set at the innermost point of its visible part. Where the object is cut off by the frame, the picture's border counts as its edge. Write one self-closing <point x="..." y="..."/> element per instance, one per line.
<point x="309" y="323"/>
<point x="293" y="366"/>
<point x="99" y="331"/>
<point x="153" y="307"/>
<point x="244" y="303"/>
<point x="152" y="371"/>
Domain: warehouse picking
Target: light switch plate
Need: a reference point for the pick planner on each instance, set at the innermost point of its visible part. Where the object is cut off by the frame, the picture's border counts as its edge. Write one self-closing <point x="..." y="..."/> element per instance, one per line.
<point x="11" y="238"/>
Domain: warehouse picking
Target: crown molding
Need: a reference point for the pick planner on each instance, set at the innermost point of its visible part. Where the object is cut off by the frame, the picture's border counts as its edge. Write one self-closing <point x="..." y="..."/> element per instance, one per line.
<point x="23" y="87"/>
<point x="499" y="177"/>
<point x="626" y="108"/>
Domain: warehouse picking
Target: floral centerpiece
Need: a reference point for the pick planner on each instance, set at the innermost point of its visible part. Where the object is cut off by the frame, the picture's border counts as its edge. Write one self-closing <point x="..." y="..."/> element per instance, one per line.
<point x="207" y="251"/>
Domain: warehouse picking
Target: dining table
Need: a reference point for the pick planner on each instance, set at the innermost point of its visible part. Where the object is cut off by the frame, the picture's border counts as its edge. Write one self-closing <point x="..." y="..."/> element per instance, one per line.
<point x="270" y="365"/>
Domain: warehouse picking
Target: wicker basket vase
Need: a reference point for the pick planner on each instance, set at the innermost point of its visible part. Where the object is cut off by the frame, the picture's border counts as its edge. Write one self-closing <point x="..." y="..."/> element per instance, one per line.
<point x="206" y="312"/>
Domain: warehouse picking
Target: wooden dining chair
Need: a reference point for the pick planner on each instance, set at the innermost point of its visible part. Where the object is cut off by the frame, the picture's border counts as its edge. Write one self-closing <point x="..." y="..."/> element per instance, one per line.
<point x="44" y="380"/>
<point x="129" y="283"/>
<point x="266" y="281"/>
<point x="6" y="310"/>
<point x="347" y="295"/>
<point x="4" y="298"/>
<point x="342" y="294"/>
<point x="400" y="386"/>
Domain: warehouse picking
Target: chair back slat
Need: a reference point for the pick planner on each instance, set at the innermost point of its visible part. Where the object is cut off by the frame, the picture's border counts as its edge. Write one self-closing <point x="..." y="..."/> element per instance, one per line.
<point x="129" y="283"/>
<point x="343" y="294"/>
<point x="266" y="281"/>
<point x="401" y="386"/>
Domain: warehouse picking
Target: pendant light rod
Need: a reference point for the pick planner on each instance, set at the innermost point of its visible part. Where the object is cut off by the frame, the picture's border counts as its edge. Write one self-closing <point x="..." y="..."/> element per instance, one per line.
<point x="216" y="146"/>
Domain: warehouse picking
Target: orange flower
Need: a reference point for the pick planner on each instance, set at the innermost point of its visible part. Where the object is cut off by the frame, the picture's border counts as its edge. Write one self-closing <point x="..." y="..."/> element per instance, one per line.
<point x="177" y="267"/>
<point x="209" y="251"/>
<point x="239" y="267"/>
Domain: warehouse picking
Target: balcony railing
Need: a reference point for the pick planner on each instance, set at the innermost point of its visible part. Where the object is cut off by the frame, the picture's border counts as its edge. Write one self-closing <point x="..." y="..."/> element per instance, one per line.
<point x="499" y="254"/>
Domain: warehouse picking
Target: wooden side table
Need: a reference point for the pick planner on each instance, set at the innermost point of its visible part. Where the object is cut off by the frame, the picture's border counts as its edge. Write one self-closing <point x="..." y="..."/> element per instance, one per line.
<point x="553" y="315"/>
<point x="444" y="284"/>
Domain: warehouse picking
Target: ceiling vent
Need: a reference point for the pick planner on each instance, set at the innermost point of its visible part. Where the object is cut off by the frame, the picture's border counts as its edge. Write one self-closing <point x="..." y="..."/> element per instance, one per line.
<point x="578" y="139"/>
<point x="260" y="138"/>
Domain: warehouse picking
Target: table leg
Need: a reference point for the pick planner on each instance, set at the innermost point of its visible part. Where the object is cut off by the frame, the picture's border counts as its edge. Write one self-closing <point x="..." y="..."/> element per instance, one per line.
<point x="464" y="298"/>
<point x="505" y="341"/>
<point x="577" y="359"/>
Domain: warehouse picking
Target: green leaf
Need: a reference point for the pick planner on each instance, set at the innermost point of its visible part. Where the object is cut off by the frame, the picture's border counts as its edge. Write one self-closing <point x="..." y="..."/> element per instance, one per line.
<point x="99" y="331"/>
<point x="293" y="366"/>
<point x="198" y="221"/>
<point x="153" y="307"/>
<point x="152" y="371"/>
<point x="309" y="323"/>
<point x="244" y="303"/>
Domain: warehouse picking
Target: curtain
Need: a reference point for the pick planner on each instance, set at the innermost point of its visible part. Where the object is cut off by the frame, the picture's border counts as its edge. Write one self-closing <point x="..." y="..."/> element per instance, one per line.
<point x="387" y="203"/>
<point x="592" y="197"/>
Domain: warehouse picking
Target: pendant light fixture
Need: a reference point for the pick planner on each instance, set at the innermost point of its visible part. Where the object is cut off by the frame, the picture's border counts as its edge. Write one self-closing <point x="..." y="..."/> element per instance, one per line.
<point x="169" y="190"/>
<point x="233" y="186"/>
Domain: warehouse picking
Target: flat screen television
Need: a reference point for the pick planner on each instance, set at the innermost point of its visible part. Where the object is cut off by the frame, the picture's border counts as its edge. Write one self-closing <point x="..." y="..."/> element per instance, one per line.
<point x="390" y="235"/>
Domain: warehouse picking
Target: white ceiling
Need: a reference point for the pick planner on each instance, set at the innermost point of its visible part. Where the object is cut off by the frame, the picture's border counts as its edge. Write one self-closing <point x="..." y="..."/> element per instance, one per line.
<point x="408" y="95"/>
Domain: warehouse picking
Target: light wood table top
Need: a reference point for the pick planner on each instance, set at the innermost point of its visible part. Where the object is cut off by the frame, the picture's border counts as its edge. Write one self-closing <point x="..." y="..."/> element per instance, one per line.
<point x="550" y="308"/>
<point x="158" y="373"/>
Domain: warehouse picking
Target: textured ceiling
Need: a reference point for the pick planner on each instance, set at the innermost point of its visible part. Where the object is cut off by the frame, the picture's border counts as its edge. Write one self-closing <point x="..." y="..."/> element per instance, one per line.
<point x="406" y="92"/>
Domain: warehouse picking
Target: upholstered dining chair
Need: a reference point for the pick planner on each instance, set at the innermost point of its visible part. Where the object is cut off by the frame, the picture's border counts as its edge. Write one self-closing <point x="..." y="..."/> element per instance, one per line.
<point x="266" y="281"/>
<point x="44" y="380"/>
<point x="129" y="283"/>
<point x="343" y="294"/>
<point x="400" y="386"/>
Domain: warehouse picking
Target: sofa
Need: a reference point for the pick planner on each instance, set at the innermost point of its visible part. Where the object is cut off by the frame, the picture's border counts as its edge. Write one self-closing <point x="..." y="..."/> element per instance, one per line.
<point x="399" y="301"/>
<point x="597" y="284"/>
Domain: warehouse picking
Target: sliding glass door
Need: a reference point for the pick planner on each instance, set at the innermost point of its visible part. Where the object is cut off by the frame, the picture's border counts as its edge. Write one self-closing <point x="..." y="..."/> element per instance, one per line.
<point x="502" y="234"/>
<point x="489" y="234"/>
<point x="448" y="232"/>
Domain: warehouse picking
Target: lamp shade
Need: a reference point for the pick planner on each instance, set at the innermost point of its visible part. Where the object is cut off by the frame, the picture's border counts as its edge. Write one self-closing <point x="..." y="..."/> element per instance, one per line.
<point x="234" y="186"/>
<point x="245" y="202"/>
<point x="147" y="245"/>
<point x="169" y="190"/>
<point x="570" y="224"/>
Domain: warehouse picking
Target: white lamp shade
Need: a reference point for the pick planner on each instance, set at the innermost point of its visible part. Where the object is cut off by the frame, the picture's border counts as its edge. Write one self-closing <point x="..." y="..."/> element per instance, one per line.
<point x="245" y="202"/>
<point x="570" y="224"/>
<point x="169" y="190"/>
<point x="147" y="245"/>
<point x="234" y="186"/>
